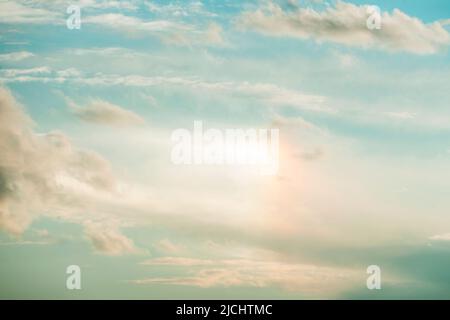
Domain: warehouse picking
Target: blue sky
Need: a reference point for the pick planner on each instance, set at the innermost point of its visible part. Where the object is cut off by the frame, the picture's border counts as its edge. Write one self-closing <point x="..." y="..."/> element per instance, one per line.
<point x="85" y="171"/>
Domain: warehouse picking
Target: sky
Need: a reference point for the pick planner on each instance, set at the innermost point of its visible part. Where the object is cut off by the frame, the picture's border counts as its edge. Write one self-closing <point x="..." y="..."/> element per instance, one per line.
<point x="86" y="177"/>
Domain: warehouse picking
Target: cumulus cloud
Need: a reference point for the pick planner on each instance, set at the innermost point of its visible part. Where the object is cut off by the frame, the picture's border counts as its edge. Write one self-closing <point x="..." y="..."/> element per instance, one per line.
<point x="345" y="24"/>
<point x="43" y="173"/>
<point x="103" y="112"/>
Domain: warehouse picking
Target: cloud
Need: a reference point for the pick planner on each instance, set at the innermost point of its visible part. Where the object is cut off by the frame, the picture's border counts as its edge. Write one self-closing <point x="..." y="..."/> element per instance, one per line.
<point x="177" y="261"/>
<point x="167" y="246"/>
<point x="211" y="35"/>
<point x="401" y="115"/>
<point x="130" y="23"/>
<point x="108" y="240"/>
<point x="15" y="56"/>
<point x="346" y="24"/>
<point x="166" y="30"/>
<point x="100" y="4"/>
<point x="69" y="72"/>
<point x="43" y="173"/>
<point x="214" y="35"/>
<point x="345" y="60"/>
<point x="25" y="242"/>
<point x="180" y="9"/>
<point x="52" y="12"/>
<point x="311" y="155"/>
<point x="15" y="12"/>
<point x="21" y="72"/>
<point x="207" y="273"/>
<point x="103" y="112"/>
<point x="270" y="94"/>
<point x="36" y="237"/>
<point x="117" y="52"/>
<point x="441" y="237"/>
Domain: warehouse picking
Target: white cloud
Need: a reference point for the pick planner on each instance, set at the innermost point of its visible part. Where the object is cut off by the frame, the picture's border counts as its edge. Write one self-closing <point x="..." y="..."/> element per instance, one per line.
<point x="15" y="56"/>
<point x="441" y="237"/>
<point x="401" y="115"/>
<point x="267" y="93"/>
<point x="180" y="9"/>
<point x="214" y="34"/>
<point x="25" y="242"/>
<point x="177" y="261"/>
<point x="130" y="23"/>
<point x="41" y="11"/>
<point x="21" y="72"/>
<point x="168" y="247"/>
<point x="345" y="60"/>
<point x="168" y="31"/>
<point x="100" y="4"/>
<point x="107" y="239"/>
<point x="44" y="174"/>
<point x="15" y="12"/>
<point x="104" y="112"/>
<point x="207" y="273"/>
<point x="69" y="72"/>
<point x="118" y="52"/>
<point x="346" y="24"/>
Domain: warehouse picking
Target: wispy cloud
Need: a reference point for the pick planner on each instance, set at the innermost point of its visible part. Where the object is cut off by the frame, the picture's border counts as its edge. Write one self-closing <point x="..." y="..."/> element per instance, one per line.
<point x="15" y="56"/>
<point x="21" y="72"/>
<point x="104" y="112"/>
<point x="253" y="273"/>
<point x="169" y="31"/>
<point x="129" y="23"/>
<point x="195" y="8"/>
<point x="15" y="12"/>
<point x="168" y="247"/>
<point x="267" y="93"/>
<point x="107" y="239"/>
<point x="441" y="237"/>
<point x="177" y="261"/>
